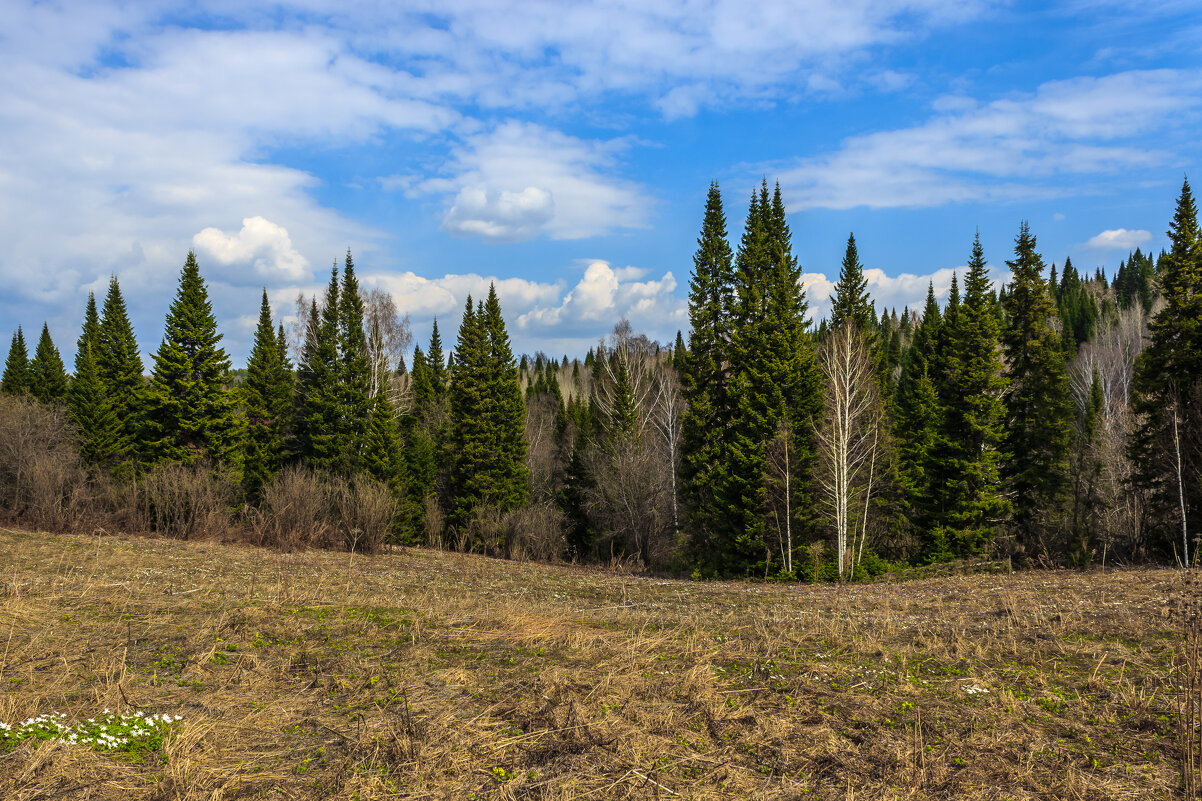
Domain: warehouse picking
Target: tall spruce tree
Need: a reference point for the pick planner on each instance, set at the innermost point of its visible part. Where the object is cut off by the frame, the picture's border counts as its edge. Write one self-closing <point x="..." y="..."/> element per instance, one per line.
<point x="16" y="377"/>
<point x="382" y="457"/>
<point x="192" y="413"/>
<point x="850" y="301"/>
<point x="1168" y="387"/>
<point x="88" y="402"/>
<point x="506" y="410"/>
<point x="120" y="367"/>
<point x="1038" y="407"/>
<point x="468" y="433"/>
<point x="973" y="412"/>
<point x="47" y="376"/>
<point x="705" y="380"/>
<point x="355" y="371"/>
<point x="267" y="396"/>
<point x="319" y="391"/>
<point x="918" y="426"/>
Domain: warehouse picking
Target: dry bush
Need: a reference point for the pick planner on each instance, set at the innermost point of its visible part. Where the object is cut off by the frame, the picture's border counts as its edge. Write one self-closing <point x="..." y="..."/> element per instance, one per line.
<point x="434" y="522"/>
<point x="187" y="501"/>
<point x="535" y="532"/>
<point x="43" y="481"/>
<point x="304" y="509"/>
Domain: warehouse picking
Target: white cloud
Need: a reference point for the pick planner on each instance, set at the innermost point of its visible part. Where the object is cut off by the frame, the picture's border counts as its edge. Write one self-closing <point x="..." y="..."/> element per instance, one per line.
<point x="521" y="180"/>
<point x="1119" y="239"/>
<point x="261" y="245"/>
<point x="603" y="296"/>
<point x="1002" y="150"/>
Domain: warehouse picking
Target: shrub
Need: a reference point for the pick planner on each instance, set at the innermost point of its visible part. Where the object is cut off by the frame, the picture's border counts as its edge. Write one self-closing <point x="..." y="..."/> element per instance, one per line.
<point x="43" y="481"/>
<point x="304" y="509"/>
<point x="186" y="501"/>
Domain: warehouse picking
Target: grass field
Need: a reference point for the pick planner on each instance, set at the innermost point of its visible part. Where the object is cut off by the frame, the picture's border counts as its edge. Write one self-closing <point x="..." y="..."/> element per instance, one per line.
<point x="421" y="674"/>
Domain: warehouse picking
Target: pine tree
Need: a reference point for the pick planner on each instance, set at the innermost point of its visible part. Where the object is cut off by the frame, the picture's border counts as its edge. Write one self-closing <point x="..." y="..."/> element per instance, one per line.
<point x="319" y="391"/>
<point x="972" y="420"/>
<point x="1167" y="384"/>
<point x="88" y="402"/>
<point x="355" y="406"/>
<point x="120" y="369"/>
<point x="192" y="415"/>
<point x="16" y="377"/>
<point x="437" y="362"/>
<point x="267" y="396"/>
<point x="1038" y="408"/>
<point x="48" y="377"/>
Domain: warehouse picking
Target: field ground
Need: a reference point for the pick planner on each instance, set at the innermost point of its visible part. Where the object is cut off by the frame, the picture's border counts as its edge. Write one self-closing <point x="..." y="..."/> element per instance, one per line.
<point x="420" y="674"/>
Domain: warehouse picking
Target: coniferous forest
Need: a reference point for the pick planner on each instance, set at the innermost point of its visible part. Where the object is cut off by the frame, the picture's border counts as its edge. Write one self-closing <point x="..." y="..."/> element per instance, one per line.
<point x="1052" y="420"/>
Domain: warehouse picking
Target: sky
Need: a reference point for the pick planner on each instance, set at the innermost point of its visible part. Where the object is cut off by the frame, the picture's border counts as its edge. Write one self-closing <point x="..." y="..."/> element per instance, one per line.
<point x="564" y="150"/>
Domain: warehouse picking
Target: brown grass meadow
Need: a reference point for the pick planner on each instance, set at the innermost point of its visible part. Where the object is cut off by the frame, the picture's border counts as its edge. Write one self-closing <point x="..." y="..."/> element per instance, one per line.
<point x="422" y="674"/>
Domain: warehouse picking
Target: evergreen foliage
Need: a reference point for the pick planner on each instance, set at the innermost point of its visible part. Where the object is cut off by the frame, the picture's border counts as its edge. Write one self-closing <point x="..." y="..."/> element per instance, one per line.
<point x="1168" y="381"/>
<point x="120" y="367"/>
<point x="88" y="402"/>
<point x="192" y="414"/>
<point x="47" y="376"/>
<point x="267" y="398"/>
<point x="1038" y="408"/>
<point x="354" y="373"/>
<point x="16" y="379"/>
<point x="319" y="390"/>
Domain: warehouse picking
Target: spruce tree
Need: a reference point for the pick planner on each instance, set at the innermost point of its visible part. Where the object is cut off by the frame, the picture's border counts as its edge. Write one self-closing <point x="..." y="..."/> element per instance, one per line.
<point x="48" y="377"/>
<point x="972" y="420"/>
<point x="16" y="379"/>
<point x="267" y="396"/>
<point x="192" y="415"/>
<point x="1038" y="407"/>
<point x="382" y="457"/>
<point x="704" y="379"/>
<point x="506" y="410"/>
<point x="468" y="432"/>
<point x="120" y="367"/>
<point x="319" y="391"/>
<point x="88" y="403"/>
<point x="436" y="361"/>
<point x="1168" y="385"/>
<point x="918" y="427"/>
<point x="355" y="371"/>
<point x="850" y="301"/>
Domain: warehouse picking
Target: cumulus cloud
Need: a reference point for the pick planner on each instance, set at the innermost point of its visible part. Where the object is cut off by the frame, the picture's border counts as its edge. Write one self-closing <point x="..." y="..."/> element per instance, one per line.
<point x="1119" y="239"/>
<point x="261" y="245"/>
<point x="604" y="295"/>
<point x="521" y="180"/>
<point x="1002" y="150"/>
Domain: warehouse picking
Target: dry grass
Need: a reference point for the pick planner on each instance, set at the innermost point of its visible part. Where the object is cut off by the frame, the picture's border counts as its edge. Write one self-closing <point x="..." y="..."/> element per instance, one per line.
<point x="422" y="674"/>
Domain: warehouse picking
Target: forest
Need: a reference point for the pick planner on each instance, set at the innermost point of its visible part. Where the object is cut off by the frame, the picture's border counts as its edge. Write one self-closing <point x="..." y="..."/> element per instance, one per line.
<point x="1055" y="419"/>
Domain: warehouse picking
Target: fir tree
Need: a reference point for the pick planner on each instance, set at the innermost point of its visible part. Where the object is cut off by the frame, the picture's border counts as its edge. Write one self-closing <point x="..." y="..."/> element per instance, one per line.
<point x="267" y="396"/>
<point x="88" y="402"/>
<point x="48" y="377"/>
<point x="1168" y="381"/>
<point x="191" y="413"/>
<point x="507" y="411"/>
<point x="468" y="435"/>
<point x="16" y="379"/>
<point x="120" y="369"/>
<point x="1038" y="408"/>
<point x="437" y="362"/>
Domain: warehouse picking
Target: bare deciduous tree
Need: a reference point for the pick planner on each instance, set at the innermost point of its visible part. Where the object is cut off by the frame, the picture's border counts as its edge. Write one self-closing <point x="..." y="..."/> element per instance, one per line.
<point x="388" y="335"/>
<point x="847" y="436"/>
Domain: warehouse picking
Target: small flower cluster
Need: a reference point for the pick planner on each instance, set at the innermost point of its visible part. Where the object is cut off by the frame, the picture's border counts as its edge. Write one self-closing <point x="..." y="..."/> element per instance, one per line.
<point x="135" y="733"/>
<point x="972" y="689"/>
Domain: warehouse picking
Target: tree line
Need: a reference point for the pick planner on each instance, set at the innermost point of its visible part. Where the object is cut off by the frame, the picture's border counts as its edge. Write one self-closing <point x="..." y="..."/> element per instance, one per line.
<point x="1054" y="419"/>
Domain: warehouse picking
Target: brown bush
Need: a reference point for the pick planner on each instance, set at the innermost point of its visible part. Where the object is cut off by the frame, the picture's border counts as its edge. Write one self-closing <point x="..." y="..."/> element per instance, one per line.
<point x="187" y="501"/>
<point x="535" y="532"/>
<point x="304" y="509"/>
<point x="43" y="481"/>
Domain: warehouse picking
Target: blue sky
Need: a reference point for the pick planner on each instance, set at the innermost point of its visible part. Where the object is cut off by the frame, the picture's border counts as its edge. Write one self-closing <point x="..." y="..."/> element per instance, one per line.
<point x="564" y="150"/>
